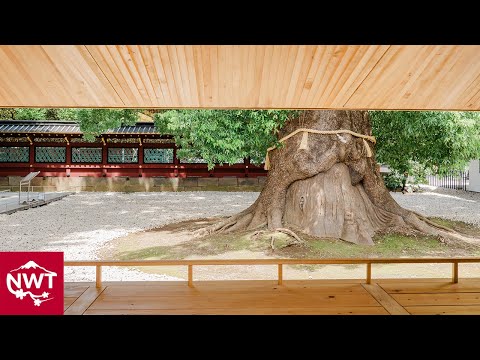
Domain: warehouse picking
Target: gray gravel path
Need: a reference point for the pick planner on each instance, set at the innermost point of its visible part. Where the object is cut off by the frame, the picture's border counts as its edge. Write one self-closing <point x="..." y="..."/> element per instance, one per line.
<point x="444" y="203"/>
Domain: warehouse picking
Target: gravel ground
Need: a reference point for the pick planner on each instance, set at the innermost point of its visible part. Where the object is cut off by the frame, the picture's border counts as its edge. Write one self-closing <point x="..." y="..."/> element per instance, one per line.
<point x="445" y="203"/>
<point x="81" y="224"/>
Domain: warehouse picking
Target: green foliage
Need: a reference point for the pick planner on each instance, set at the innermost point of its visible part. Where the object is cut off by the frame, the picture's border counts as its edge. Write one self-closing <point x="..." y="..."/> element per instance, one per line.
<point x="426" y="141"/>
<point x="94" y="122"/>
<point x="412" y="142"/>
<point x="31" y="114"/>
<point x="394" y="180"/>
<point x="222" y="136"/>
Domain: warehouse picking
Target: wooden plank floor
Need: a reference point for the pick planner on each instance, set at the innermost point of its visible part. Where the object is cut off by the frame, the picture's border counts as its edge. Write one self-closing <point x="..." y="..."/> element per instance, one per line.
<point x="382" y="297"/>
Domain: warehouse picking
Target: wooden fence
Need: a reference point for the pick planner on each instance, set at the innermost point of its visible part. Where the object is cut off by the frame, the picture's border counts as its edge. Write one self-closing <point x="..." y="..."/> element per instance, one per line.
<point x="98" y="264"/>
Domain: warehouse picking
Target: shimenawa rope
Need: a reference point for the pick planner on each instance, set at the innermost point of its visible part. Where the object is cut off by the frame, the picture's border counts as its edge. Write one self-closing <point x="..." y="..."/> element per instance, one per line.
<point x="304" y="142"/>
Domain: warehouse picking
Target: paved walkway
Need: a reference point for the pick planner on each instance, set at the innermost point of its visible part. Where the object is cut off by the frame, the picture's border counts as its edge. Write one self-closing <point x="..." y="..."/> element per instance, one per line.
<point x="9" y="201"/>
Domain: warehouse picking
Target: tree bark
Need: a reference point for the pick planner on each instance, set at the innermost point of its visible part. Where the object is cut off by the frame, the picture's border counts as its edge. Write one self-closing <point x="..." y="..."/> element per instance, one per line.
<point x="331" y="188"/>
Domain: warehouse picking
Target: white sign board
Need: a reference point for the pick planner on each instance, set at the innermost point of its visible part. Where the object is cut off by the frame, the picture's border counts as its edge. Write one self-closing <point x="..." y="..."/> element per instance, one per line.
<point x="30" y="176"/>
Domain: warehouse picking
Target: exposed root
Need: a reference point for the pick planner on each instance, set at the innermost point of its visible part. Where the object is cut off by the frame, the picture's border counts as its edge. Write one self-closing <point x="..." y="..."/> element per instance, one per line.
<point x="449" y="235"/>
<point x="423" y="218"/>
<point x="291" y="233"/>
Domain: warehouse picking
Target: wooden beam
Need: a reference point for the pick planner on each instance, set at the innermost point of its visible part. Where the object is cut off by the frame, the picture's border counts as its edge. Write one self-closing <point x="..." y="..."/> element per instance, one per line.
<point x="369" y="273"/>
<point x="98" y="276"/>
<point x="455" y="272"/>
<point x="389" y="303"/>
<point x="280" y="274"/>
<point x="190" y="275"/>
<point x="80" y="305"/>
<point x="338" y="261"/>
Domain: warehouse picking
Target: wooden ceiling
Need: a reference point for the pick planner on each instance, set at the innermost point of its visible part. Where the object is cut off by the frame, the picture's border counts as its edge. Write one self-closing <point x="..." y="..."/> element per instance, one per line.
<point x="254" y="76"/>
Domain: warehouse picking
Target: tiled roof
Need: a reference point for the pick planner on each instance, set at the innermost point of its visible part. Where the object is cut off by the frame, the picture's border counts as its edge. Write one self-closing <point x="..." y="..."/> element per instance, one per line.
<point x="64" y="127"/>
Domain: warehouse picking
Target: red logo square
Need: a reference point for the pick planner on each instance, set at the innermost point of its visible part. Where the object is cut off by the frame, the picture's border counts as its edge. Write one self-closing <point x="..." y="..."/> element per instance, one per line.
<point x="31" y="283"/>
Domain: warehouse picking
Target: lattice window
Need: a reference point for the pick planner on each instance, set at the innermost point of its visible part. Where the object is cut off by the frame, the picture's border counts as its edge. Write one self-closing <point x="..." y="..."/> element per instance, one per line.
<point x="86" y="155"/>
<point x="50" y="154"/>
<point x="159" y="141"/>
<point x="123" y="155"/>
<point x="158" y="156"/>
<point x="193" y="161"/>
<point x="202" y="161"/>
<point x="125" y="140"/>
<point x="14" y="154"/>
<point x="49" y="139"/>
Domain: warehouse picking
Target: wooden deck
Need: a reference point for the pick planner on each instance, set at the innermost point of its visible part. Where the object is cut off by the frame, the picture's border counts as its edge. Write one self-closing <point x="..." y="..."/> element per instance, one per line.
<point x="380" y="297"/>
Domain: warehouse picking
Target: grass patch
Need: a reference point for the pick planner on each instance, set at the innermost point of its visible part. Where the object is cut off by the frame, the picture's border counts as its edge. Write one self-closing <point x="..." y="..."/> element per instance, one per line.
<point x="388" y="245"/>
<point x="460" y="226"/>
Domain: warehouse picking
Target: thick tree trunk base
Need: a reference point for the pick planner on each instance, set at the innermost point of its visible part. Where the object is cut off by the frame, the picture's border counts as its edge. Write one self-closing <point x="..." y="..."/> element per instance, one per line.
<point x="329" y="206"/>
<point x="329" y="186"/>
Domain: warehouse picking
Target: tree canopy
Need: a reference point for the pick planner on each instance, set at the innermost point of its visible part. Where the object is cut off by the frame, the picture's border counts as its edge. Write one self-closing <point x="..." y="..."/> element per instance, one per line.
<point x="222" y="136"/>
<point x="407" y="141"/>
<point x="93" y="122"/>
<point x="416" y="142"/>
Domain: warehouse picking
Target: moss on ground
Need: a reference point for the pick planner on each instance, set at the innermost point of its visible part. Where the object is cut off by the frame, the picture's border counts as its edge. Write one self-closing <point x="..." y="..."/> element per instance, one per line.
<point x="388" y="245"/>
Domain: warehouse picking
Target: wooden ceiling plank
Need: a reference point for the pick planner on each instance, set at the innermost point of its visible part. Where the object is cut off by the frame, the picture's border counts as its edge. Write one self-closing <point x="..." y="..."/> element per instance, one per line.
<point x="287" y="78"/>
<point x="278" y="88"/>
<point x="273" y="74"/>
<point x="267" y="61"/>
<point x="127" y="55"/>
<point x="239" y="75"/>
<point x="434" y="77"/>
<point x="168" y="68"/>
<point x="320" y="82"/>
<point x="348" y="62"/>
<point x="118" y="66"/>
<point x="295" y="75"/>
<point x="214" y="76"/>
<point x="227" y="75"/>
<point x="308" y="88"/>
<point x="383" y="74"/>
<point x="182" y="73"/>
<point x="248" y="62"/>
<point x="197" y="58"/>
<point x="149" y="53"/>
<point x="222" y="76"/>
<point x="420" y="68"/>
<point x="13" y="77"/>
<point x="143" y="63"/>
<point x="207" y="77"/>
<point x="258" y="73"/>
<point x="277" y="73"/>
<point x="300" y="86"/>
<point x="102" y="58"/>
<point x="192" y="77"/>
<point x="462" y="76"/>
<point x="160" y="71"/>
<point x="360" y="66"/>
<point x="86" y="73"/>
<point x="50" y="78"/>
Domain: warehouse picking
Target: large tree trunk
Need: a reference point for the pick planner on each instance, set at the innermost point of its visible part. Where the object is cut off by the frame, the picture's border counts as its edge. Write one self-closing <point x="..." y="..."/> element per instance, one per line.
<point x="331" y="188"/>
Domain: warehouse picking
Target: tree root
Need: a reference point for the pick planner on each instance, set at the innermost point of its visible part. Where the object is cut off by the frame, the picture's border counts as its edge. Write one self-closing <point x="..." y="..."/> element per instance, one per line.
<point x="428" y="221"/>
<point x="291" y="233"/>
<point x="419" y="223"/>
